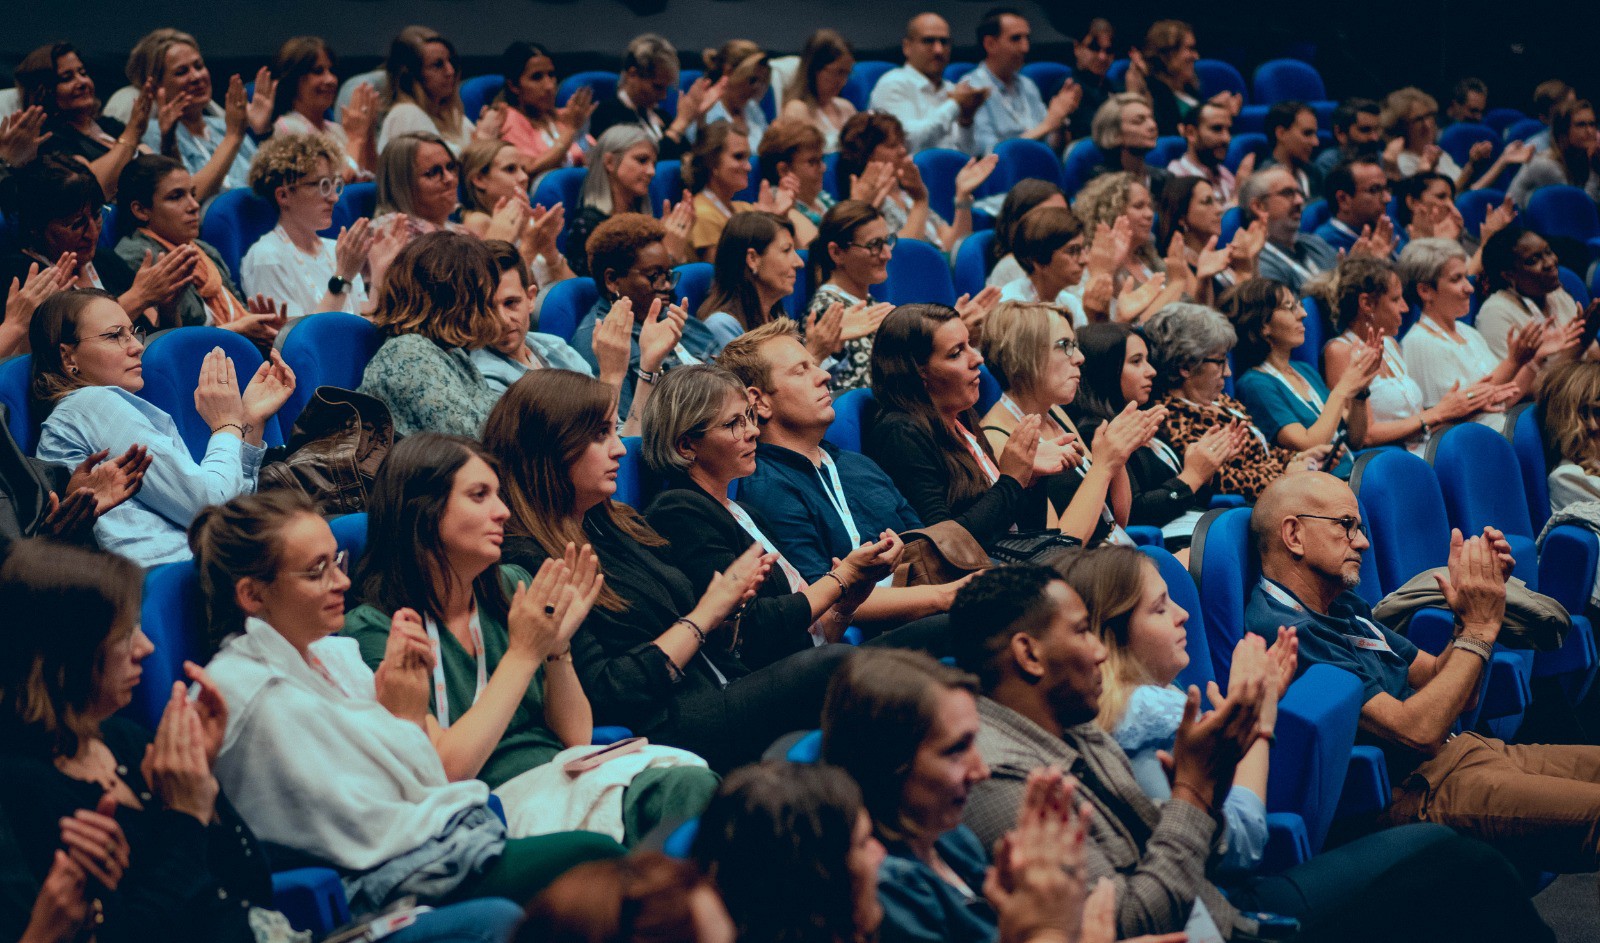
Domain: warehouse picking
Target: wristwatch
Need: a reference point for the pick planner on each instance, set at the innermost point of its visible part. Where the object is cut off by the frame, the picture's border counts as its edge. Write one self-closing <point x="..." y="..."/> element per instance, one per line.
<point x="337" y="285"/>
<point x="648" y="376"/>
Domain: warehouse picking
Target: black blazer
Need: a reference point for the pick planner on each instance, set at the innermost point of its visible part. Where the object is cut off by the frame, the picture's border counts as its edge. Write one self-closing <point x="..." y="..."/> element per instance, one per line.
<point x="1159" y="495"/>
<point x="706" y="539"/>
<point x="613" y="112"/>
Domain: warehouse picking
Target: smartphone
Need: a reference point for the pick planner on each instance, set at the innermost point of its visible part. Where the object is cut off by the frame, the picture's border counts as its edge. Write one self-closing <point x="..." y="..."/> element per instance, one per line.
<point x="603" y="755"/>
<point x="1338" y="443"/>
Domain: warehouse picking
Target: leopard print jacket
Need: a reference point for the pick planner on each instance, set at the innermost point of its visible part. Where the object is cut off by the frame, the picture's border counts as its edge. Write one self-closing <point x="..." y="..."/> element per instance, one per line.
<point x="1246" y="474"/>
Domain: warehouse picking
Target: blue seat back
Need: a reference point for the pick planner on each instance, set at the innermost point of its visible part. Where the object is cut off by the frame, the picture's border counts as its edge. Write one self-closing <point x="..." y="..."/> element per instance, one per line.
<point x="1562" y="211"/>
<point x="865" y="75"/>
<point x="1049" y="76"/>
<point x="566" y="305"/>
<point x="479" y="91"/>
<point x="808" y="749"/>
<point x="327" y="349"/>
<point x="1287" y="79"/>
<point x="172" y="616"/>
<point x="956" y="71"/>
<point x="1021" y="159"/>
<point x="989" y="391"/>
<point x="1230" y="225"/>
<point x="561" y="185"/>
<point x="830" y="176"/>
<point x="1168" y="149"/>
<point x="1079" y="165"/>
<point x="1405" y="514"/>
<point x="1527" y="440"/>
<point x="851" y="411"/>
<point x="800" y="298"/>
<point x="1224" y="567"/>
<point x="1318" y="327"/>
<point x="108" y="229"/>
<point x="172" y="371"/>
<point x="234" y="221"/>
<point x="1524" y="129"/>
<point x="1573" y="283"/>
<point x="350" y="533"/>
<point x="1251" y="119"/>
<point x="14" y="381"/>
<point x="1458" y="139"/>
<point x="630" y="473"/>
<point x="1216" y="77"/>
<point x="939" y="167"/>
<point x="686" y="79"/>
<point x="918" y="273"/>
<point x="972" y="262"/>
<point x="1317" y="720"/>
<point x="1475" y="205"/>
<point x="1182" y="591"/>
<point x="1502" y="118"/>
<point x="1481" y="481"/>
<point x="358" y="201"/>
<point x="666" y="186"/>
<point x="1117" y="72"/>
<point x="694" y="282"/>
<point x="1315" y="214"/>
<point x="1247" y="142"/>
<point x="603" y="84"/>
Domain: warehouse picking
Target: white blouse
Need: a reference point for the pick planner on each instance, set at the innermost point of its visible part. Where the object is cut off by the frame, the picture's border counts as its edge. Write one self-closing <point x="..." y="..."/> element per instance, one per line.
<point x="1396" y="396"/>
<point x="1437" y="361"/>
<point x="277" y="268"/>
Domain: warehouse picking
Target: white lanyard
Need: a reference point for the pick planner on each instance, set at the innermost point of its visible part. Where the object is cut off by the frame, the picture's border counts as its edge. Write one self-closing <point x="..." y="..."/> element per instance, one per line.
<point x="1115" y="534"/>
<point x="797" y="583"/>
<point x="1242" y="417"/>
<point x="984" y="461"/>
<point x="1373" y="643"/>
<point x="647" y="118"/>
<point x="1167" y="455"/>
<point x="1311" y="399"/>
<point x="835" y="492"/>
<point x="1288" y="260"/>
<point x="1339" y="227"/>
<point x="1391" y="359"/>
<point x="716" y="202"/>
<point x="684" y="357"/>
<point x="441" y="699"/>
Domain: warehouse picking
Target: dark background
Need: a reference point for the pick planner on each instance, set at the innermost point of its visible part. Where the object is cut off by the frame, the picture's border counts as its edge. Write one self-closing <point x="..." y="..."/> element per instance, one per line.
<point x="1361" y="46"/>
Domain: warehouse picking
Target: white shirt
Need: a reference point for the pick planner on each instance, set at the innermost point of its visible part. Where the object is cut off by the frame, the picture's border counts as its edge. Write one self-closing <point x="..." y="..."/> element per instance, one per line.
<point x="1010" y="110"/>
<point x="1395" y="396"/>
<point x="754" y="119"/>
<point x="1221" y="179"/>
<point x="406" y="118"/>
<point x="1408" y="163"/>
<point x="1506" y="311"/>
<point x="927" y="112"/>
<point x="1022" y="289"/>
<point x="293" y="122"/>
<point x="1437" y="361"/>
<point x="275" y="267"/>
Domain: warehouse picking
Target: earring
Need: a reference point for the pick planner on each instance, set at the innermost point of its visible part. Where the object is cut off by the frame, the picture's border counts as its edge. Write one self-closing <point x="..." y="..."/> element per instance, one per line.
<point x="72" y="369"/>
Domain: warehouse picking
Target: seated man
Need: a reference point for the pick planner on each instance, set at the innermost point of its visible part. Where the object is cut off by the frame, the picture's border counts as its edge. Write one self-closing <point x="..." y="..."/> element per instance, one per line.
<point x="1026" y="634"/>
<point x="1290" y="256"/>
<point x="934" y="113"/>
<point x="1358" y="193"/>
<point x="1014" y="108"/>
<point x="1291" y="129"/>
<point x="1468" y="102"/>
<point x="819" y="501"/>
<point x="1209" y="132"/>
<point x="1537" y="803"/>
<point x="1356" y="133"/>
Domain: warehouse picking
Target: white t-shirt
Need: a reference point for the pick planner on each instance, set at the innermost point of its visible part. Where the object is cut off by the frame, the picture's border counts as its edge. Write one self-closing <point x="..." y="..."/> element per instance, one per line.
<point x="1437" y="361"/>
<point x="276" y="268"/>
<point x="1022" y="289"/>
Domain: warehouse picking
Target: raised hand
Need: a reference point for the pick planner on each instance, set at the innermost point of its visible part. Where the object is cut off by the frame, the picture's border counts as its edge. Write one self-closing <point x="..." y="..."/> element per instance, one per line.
<point x="1135" y="302"/>
<point x="259" y="110"/>
<point x="268" y="390"/>
<point x="216" y="394"/>
<point x="575" y="113"/>
<point x="169" y="111"/>
<point x="968" y="98"/>
<point x="1247" y="166"/>
<point x="1366" y="360"/>
<point x="506" y="222"/>
<point x="403" y="680"/>
<point x="538" y="611"/>
<point x="613" y="341"/>
<point x="1212" y="261"/>
<point x="972" y="175"/>
<point x="1017" y="459"/>
<point x="96" y="843"/>
<point x="1517" y="152"/>
<point x="235" y="108"/>
<point x="733" y="587"/>
<point x="1209" y="746"/>
<point x="110" y="483"/>
<point x="825" y="328"/>
<point x="26" y="295"/>
<point x="1561" y="338"/>
<point x="359" y="116"/>
<point x="352" y="248"/>
<point x="774" y="200"/>
<point x="491" y="118"/>
<point x="1479" y="152"/>
<point x="1475" y="587"/>
<point x="702" y="94"/>
<point x="210" y="708"/>
<point x="539" y="235"/>
<point x="909" y="176"/>
<point x="660" y="333"/>
<point x="21" y="133"/>
<point x="975" y="310"/>
<point x="1523" y="343"/>
<point x="1248" y="241"/>
<point x="1064" y="102"/>
<point x="1036" y="884"/>
<point x="864" y="566"/>
<point x="1498" y="218"/>
<point x="175" y="765"/>
<point x="874" y="184"/>
<point x="1206" y="455"/>
<point x="1116" y="441"/>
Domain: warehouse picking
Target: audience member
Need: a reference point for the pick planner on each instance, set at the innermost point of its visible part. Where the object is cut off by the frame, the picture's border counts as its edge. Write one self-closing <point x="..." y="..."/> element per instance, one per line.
<point x="648" y="78"/>
<point x="925" y="379"/>
<point x="1189" y="349"/>
<point x="1357" y="192"/>
<point x="211" y="142"/>
<point x="644" y="898"/>
<point x="652" y="655"/>
<point x="370" y="797"/>
<point x="715" y="171"/>
<point x="303" y="103"/>
<point x="700" y="437"/>
<point x="1163" y="71"/>
<point x="1534" y="802"/>
<point x="754" y="272"/>
<point x="933" y="112"/>
<point x="1547" y="95"/>
<point x="1356" y="133"/>
<point x="1288" y="256"/>
<point x="850" y="255"/>
<point x="54" y="80"/>
<point x="1572" y="159"/>
<point x="1523" y="283"/>
<point x="1469" y="100"/>
<point x="1118" y="216"/>
<point x="425" y="93"/>
<point x="875" y="138"/>
<point x="137" y="69"/>
<point x="1014" y="108"/>
<point x="518" y="348"/>
<point x="1124" y="130"/>
<point x="1411" y="122"/>
<point x="1425" y="207"/>
<point x="1048" y="244"/>
<point x="825" y="64"/>
<point x="546" y="136"/>
<point x="495" y="206"/>
<point x="305" y="272"/>
<point x="1287" y="399"/>
<point x="434" y="532"/>
<point x="792" y="149"/>
<point x="621" y="166"/>
<point x="1028" y="194"/>
<point x="1189" y="210"/>
<point x="85" y="373"/>
<point x="1291" y="130"/>
<point x="1568" y="400"/>
<point x="1092" y="54"/>
<point x="158" y="211"/>
<point x="417" y="190"/>
<point x="741" y="68"/>
<point x="1208" y="132"/>
<point x="48" y="499"/>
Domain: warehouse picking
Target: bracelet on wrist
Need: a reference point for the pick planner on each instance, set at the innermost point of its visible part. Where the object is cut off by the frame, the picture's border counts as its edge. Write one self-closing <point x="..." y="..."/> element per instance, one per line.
<point x="830" y="575"/>
<point x="563" y="656"/>
<point x="244" y="430"/>
<point x="1476" y="646"/>
<point x="698" y="632"/>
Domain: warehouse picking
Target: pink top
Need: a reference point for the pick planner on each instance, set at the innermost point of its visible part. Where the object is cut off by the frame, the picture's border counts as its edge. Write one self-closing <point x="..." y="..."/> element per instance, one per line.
<point x="520" y="133"/>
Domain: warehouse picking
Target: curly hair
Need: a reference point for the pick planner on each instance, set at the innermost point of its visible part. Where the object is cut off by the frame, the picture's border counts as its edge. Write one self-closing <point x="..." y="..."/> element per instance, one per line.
<point x="616" y="243"/>
<point x="441" y="286"/>
<point x="1102" y="200"/>
<point x="1357" y="277"/>
<point x="1250" y="306"/>
<point x="860" y="136"/>
<point x="286" y="159"/>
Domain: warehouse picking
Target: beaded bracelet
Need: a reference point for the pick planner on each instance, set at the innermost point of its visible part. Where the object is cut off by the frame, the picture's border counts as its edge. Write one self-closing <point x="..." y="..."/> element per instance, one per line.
<point x="694" y="628"/>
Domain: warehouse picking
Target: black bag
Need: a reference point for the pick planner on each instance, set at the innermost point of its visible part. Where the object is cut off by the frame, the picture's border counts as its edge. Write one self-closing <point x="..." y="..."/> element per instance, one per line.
<point x="1034" y="546"/>
<point x="334" y="450"/>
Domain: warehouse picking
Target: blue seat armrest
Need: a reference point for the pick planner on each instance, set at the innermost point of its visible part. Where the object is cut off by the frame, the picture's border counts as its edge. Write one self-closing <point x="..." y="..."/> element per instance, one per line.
<point x="1228" y="501"/>
<point x="807" y="749"/>
<point x="605" y="736"/>
<point x="1146" y="536"/>
<point x="1287" y="843"/>
<point x="680" y="843"/>
<point x="1366" y="783"/>
<point x="1509" y="691"/>
<point x="1567" y="566"/>
<point x="311" y="898"/>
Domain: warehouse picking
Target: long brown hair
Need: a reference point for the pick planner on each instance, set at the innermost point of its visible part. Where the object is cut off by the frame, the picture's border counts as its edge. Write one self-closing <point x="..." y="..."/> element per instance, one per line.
<point x="1110" y="580"/>
<point x="538" y="430"/>
<point x="1569" y="407"/>
<point x="733" y="287"/>
<point x="404" y="70"/>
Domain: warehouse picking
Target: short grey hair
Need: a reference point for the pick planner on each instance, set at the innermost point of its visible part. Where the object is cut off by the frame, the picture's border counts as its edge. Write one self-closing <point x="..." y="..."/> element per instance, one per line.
<point x="1181" y="335"/>
<point x="1106" y="128"/>
<point x="619" y="139"/>
<point x="1255" y="187"/>
<point x="1422" y="261"/>
<point x="684" y="404"/>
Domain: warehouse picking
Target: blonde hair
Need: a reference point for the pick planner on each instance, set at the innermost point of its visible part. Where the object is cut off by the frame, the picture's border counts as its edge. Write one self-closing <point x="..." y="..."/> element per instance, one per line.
<point x="286" y="159"/>
<point x="1397" y="108"/>
<point x="1102" y="200"/>
<point x="1016" y="342"/>
<point x="1110" y="580"/>
<point x="1569" y="399"/>
<point x="743" y="358"/>
<point x="403" y="69"/>
<point x="477" y="158"/>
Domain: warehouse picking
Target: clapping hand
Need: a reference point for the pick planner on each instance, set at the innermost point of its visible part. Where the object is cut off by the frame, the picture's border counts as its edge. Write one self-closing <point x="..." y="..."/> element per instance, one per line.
<point x="1036" y="883"/>
<point x="1376" y="241"/>
<point x="575" y="113"/>
<point x="21" y="133"/>
<point x="403" y="679"/>
<point x="660" y="332"/>
<point x="268" y="390"/>
<point x="874" y="184"/>
<point x="95" y="842"/>
<point x="678" y="218"/>
<point x="975" y="310"/>
<point x="176" y="766"/>
<point x="357" y="117"/>
<point x="259" y="111"/>
<point x="235" y="108"/>
<point x="862" y="319"/>
<point x="263" y="322"/>
<point x="352" y="248"/>
<point x="539" y="235"/>
<point x="972" y="175"/>
<point x="825" y="328"/>
<point x="110" y="483"/>
<point x="27" y="294"/>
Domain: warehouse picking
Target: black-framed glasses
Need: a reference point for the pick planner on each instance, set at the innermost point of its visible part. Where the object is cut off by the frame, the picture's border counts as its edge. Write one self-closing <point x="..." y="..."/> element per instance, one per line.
<point x="1219" y="361"/>
<point x="736" y="426"/>
<point x="323" y="572"/>
<point x="120" y="336"/>
<point x="327" y="186"/>
<point x="662" y="278"/>
<point x="877" y="246"/>
<point x="438" y="171"/>
<point x="1351" y="525"/>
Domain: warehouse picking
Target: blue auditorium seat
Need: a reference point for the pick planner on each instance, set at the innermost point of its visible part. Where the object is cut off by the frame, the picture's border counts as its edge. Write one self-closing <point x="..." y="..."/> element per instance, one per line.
<point x="358" y="201"/>
<point x="1049" y="76"/>
<point x="1021" y="159"/>
<point x="939" y="166"/>
<point x="566" y="306"/>
<point x="1475" y="205"/>
<point x="1524" y="129"/>
<point x="1247" y="142"/>
<point x="956" y="71"/>
<point x="918" y="272"/>
<point x="989" y="391"/>
<point x="1117" y="73"/>
<point x="972" y="262"/>
<point x="234" y="221"/>
<point x="1231" y="217"/>
<point x="865" y="75"/>
<point x="1168" y="149"/>
<point x="666" y="186"/>
<point x="478" y="91"/>
<point x="1573" y="283"/>
<point x="1251" y="119"/>
<point x="851" y="412"/>
<point x="1216" y="77"/>
<point x="630" y="474"/>
<point x="1319" y="327"/>
<point x="1458" y="139"/>
<point x="1502" y="118"/>
<point x="603" y="84"/>
<point x="1079" y="166"/>
<point x="1565" y="212"/>
<point x="694" y="282"/>
<point x="561" y="185"/>
<point x="1287" y="80"/>
<point x="14" y="382"/>
<point x="327" y="349"/>
<point x="1315" y="214"/>
<point x="1481" y="483"/>
<point x="800" y="298"/>
<point x="172" y="370"/>
<point x="350" y="533"/>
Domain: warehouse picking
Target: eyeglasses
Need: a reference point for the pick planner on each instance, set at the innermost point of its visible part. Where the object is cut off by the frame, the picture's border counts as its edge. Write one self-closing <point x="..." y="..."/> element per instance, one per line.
<point x="327" y="186"/>
<point x="662" y="278"/>
<point x="934" y="40"/>
<point x="736" y="426"/>
<point x="877" y="246"/>
<point x="1067" y="346"/>
<point x="438" y="171"/>
<point x="1219" y="361"/>
<point x="322" y="573"/>
<point x="1351" y="525"/>
<point x="1288" y="193"/>
<point x="1376" y="189"/>
<point x="121" y="336"/>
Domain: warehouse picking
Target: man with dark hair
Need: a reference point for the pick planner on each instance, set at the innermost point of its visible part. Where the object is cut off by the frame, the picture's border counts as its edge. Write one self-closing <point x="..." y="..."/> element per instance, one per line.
<point x="934" y="113"/>
<point x="1358" y="194"/>
<point x="1356" y="133"/>
<point x="1209" y="131"/>
<point x="1014" y="108"/>
<point x="1468" y="101"/>
<point x="1291" y="129"/>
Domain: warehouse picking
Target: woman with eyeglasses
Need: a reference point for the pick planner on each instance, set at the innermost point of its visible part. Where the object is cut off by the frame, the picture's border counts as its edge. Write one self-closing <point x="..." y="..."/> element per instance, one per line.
<point x="303" y="102"/>
<point x="1410" y="121"/>
<point x="849" y="256"/>
<point x="417" y="195"/>
<point x="158" y="212"/>
<point x="1573" y="158"/>
<point x="86" y="372"/>
<point x="307" y="272"/>
<point x="700" y="435"/>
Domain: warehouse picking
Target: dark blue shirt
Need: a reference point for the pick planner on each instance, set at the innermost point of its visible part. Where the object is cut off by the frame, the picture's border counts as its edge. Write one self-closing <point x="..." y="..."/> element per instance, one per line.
<point x="697" y="340"/>
<point x="919" y="906"/>
<point x="792" y="496"/>
<point x="1347" y="637"/>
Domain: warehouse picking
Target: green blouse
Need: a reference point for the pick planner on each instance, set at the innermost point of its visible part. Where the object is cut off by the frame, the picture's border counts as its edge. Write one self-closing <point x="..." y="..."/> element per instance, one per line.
<point x="527" y="742"/>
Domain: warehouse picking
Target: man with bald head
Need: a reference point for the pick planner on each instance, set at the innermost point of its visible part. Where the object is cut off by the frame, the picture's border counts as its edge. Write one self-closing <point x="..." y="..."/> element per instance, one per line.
<point x="934" y="113"/>
<point x="1540" y="804"/>
<point x="1290" y="256"/>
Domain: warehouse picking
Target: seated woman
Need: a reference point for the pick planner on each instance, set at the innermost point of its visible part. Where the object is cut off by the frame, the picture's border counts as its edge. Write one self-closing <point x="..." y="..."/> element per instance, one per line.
<point x="518" y="349"/>
<point x="1189" y="348"/>
<point x="1048" y="244"/>
<point x="86" y="370"/>
<point x="754" y="272"/>
<point x="304" y="72"/>
<point x="424" y="369"/>
<point x="211" y="142"/>
<point x="369" y="796"/>
<point x="158" y="212"/>
<point x="1188" y="209"/>
<point x="1029" y="194"/>
<point x="700" y="437"/>
<point x="621" y="166"/>
<point x="1569" y="401"/>
<point x="791" y="849"/>
<point x="876" y="137"/>
<point x="1143" y="282"/>
<point x="717" y="168"/>
<point x="1164" y="70"/>
<point x="494" y="194"/>
<point x="925" y="379"/>
<point x="850" y="254"/>
<point x="648" y="76"/>
<point x="54" y="79"/>
<point x="1570" y="160"/>
<point x="815" y="98"/>
<point x="1368" y="308"/>
<point x="1124" y="129"/>
<point x="792" y="149"/>
<point x="1032" y="350"/>
<point x="306" y="272"/>
<point x="416" y="192"/>
<point x="434" y="533"/>
<point x="1140" y="703"/>
<point x="1168" y="490"/>
<point x="741" y="68"/>
<point x="653" y="655"/>
<point x="425" y="93"/>
<point x="1523" y="280"/>
<point x="644" y="898"/>
<point x="1442" y="353"/>
<point x="1289" y="402"/>
<point x="1410" y="122"/>
<point x="546" y="137"/>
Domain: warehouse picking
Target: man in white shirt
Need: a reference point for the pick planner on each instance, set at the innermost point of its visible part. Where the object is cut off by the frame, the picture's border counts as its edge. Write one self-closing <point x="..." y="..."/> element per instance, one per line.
<point x="1209" y="133"/>
<point x="1015" y="108"/>
<point x="934" y="113"/>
